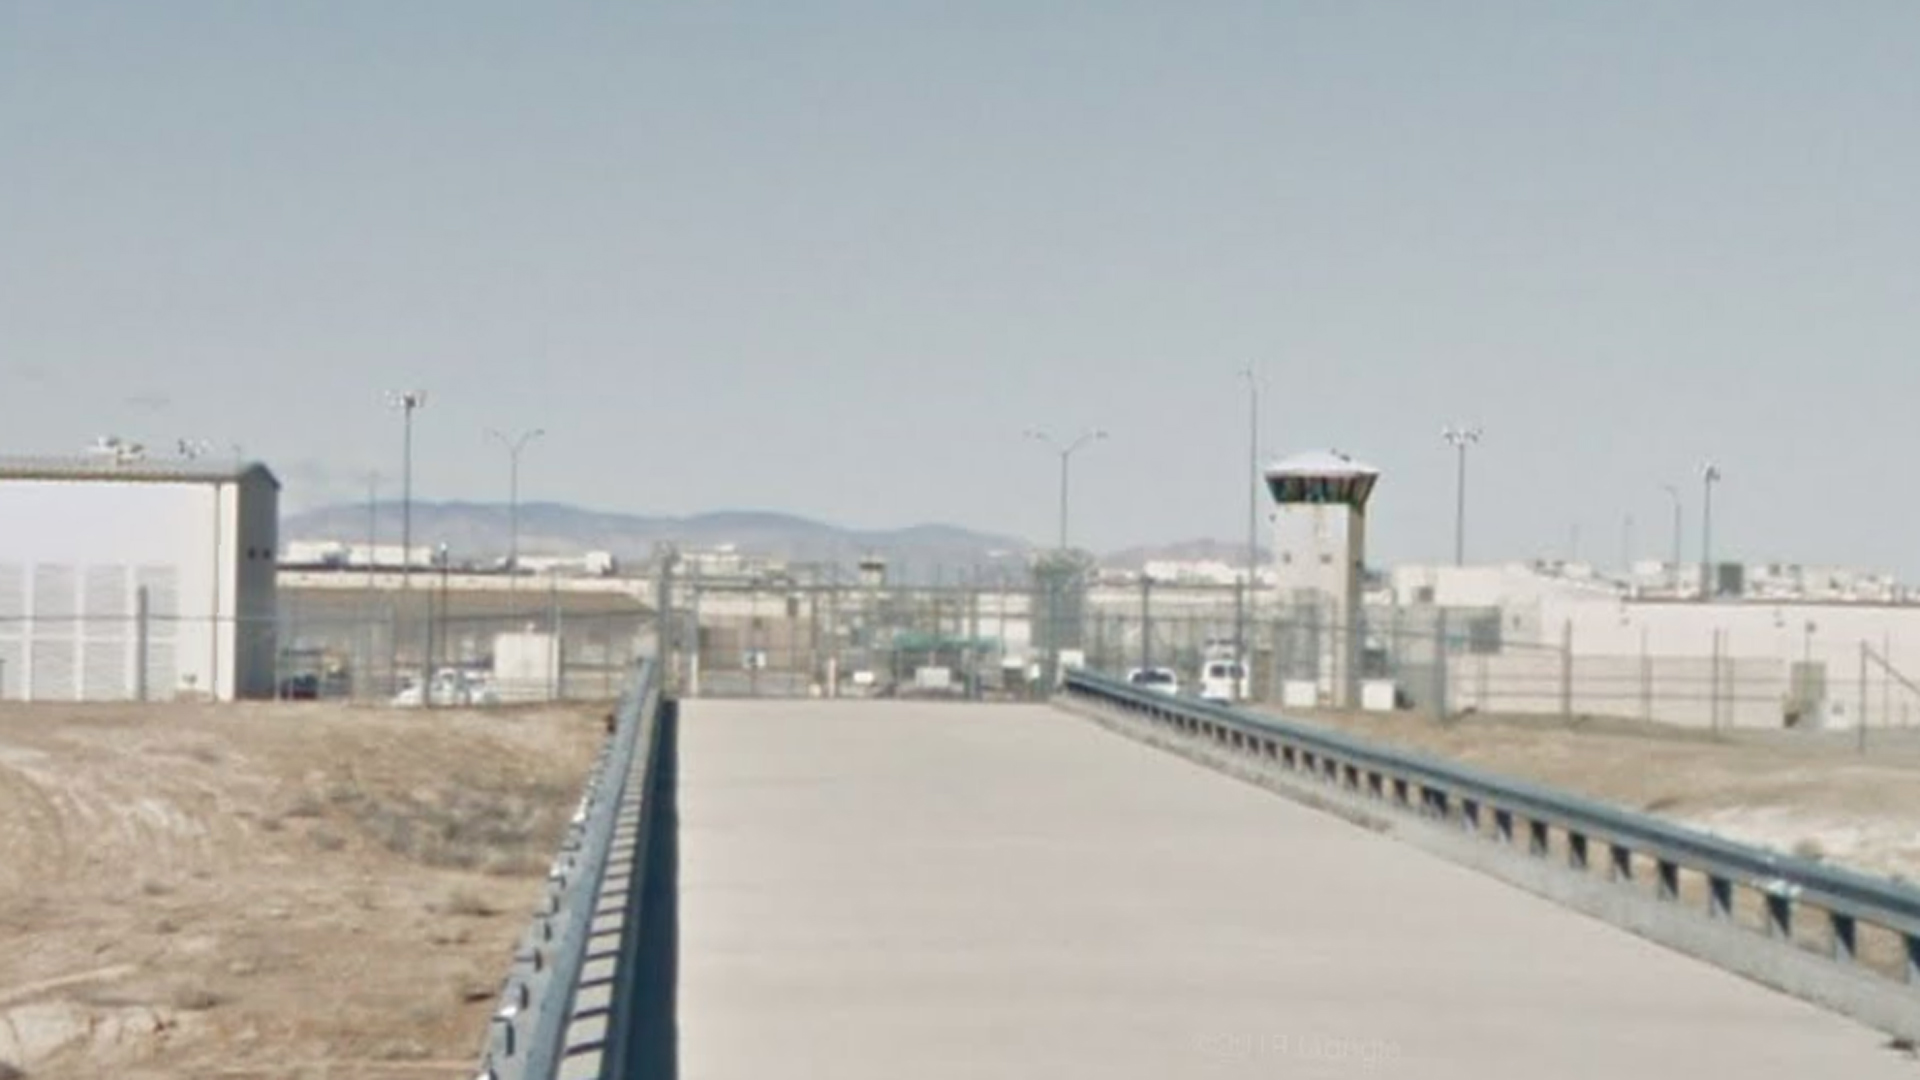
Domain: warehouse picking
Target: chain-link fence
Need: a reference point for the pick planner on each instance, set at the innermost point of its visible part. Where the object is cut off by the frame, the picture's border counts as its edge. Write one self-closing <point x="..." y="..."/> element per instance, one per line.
<point x="1001" y="638"/>
<point x="733" y="639"/>
<point x="422" y="645"/>
<point x="1453" y="661"/>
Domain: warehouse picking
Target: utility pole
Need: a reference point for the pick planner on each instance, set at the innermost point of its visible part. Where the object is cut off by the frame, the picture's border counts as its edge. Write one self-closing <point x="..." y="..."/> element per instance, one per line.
<point x="1460" y="438"/>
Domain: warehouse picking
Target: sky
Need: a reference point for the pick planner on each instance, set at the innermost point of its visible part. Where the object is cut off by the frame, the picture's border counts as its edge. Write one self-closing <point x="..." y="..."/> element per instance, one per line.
<point x="834" y="258"/>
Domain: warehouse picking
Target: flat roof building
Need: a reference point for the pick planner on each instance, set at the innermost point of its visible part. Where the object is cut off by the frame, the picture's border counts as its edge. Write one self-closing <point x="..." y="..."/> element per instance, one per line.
<point x="134" y="579"/>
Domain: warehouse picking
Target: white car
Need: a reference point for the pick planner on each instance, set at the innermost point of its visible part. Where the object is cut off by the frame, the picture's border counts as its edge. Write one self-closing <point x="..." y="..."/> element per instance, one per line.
<point x="451" y="687"/>
<point x="1223" y="681"/>
<point x="1157" y="679"/>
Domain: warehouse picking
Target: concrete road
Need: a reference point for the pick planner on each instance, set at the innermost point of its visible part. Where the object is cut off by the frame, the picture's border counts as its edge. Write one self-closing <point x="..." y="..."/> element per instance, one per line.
<point x="907" y="890"/>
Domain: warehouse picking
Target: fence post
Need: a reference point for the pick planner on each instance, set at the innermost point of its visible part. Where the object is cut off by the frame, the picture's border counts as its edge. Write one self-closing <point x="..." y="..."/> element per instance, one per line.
<point x="1860" y="714"/>
<point x="557" y="676"/>
<point x="973" y="639"/>
<point x="393" y="647"/>
<point x="141" y="637"/>
<point x="1713" y="679"/>
<point x="1440" y="665"/>
<point x="1146" y="620"/>
<point x="695" y="647"/>
<point x="1646" y="679"/>
<point x="1566" y="670"/>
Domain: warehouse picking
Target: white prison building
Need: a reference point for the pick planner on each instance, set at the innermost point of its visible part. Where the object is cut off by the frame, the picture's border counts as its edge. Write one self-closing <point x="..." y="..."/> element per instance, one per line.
<point x="136" y="579"/>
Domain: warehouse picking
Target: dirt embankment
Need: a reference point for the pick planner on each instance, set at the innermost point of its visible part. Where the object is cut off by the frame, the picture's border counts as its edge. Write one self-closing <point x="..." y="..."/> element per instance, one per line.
<point x="278" y="891"/>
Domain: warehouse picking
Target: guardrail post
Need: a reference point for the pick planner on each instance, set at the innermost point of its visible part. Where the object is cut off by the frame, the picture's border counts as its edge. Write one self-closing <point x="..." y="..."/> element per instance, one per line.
<point x="1538" y="841"/>
<point x="1846" y="941"/>
<point x="1577" y="851"/>
<point x="1779" y="916"/>
<point x="1621" y="860"/>
<point x="1668" y="887"/>
<point x="1719" y="897"/>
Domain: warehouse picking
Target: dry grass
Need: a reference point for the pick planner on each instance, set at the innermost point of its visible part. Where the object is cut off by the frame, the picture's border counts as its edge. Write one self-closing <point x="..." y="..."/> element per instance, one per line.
<point x="246" y="890"/>
<point x="196" y="998"/>
<point x="468" y="903"/>
<point x="326" y="839"/>
<point x="463" y="827"/>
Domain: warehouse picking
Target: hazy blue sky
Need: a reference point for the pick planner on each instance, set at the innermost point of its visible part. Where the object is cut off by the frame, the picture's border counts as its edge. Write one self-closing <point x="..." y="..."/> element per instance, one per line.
<point x="832" y="258"/>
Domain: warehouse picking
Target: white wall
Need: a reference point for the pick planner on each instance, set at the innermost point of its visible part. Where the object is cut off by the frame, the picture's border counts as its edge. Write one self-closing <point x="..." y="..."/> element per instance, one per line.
<point x="1762" y="634"/>
<point x="73" y="556"/>
<point x="1310" y="548"/>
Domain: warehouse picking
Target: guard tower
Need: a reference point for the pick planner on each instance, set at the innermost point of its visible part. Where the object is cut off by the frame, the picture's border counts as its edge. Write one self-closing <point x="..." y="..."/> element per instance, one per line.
<point x="1320" y="550"/>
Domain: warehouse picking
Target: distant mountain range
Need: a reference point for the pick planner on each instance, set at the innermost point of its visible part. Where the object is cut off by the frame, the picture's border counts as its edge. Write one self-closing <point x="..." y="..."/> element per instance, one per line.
<point x="484" y="530"/>
<point x="915" y="553"/>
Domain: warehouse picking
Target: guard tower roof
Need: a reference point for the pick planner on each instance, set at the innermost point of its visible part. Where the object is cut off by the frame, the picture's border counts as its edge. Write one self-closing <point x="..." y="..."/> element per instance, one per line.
<point x="1321" y="477"/>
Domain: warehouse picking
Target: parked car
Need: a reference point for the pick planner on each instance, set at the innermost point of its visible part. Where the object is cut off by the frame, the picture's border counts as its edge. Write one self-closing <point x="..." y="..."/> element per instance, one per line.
<point x="1223" y="681"/>
<point x="1157" y="679"/>
<point x="300" y="688"/>
<point x="452" y="686"/>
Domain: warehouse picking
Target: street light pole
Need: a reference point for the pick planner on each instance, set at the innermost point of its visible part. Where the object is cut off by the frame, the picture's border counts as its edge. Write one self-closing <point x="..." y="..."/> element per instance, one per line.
<point x="408" y="402"/>
<point x="1066" y="458"/>
<point x="373" y="531"/>
<point x="514" y="445"/>
<point x="1241" y="614"/>
<point x="1708" y="474"/>
<point x="1674" y="493"/>
<point x="1460" y="438"/>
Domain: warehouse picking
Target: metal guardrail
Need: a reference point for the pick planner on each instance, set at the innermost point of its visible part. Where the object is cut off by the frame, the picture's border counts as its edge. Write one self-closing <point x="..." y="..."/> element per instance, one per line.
<point x="563" y="1011"/>
<point x="1514" y="812"/>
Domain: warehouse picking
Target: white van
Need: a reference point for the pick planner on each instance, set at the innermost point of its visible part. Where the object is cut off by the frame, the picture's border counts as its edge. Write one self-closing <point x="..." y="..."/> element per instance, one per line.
<point x="1223" y="681"/>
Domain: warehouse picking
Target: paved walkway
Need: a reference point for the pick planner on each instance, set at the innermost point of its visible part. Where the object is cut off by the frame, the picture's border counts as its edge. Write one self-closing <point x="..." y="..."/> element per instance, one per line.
<point x="918" y="891"/>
